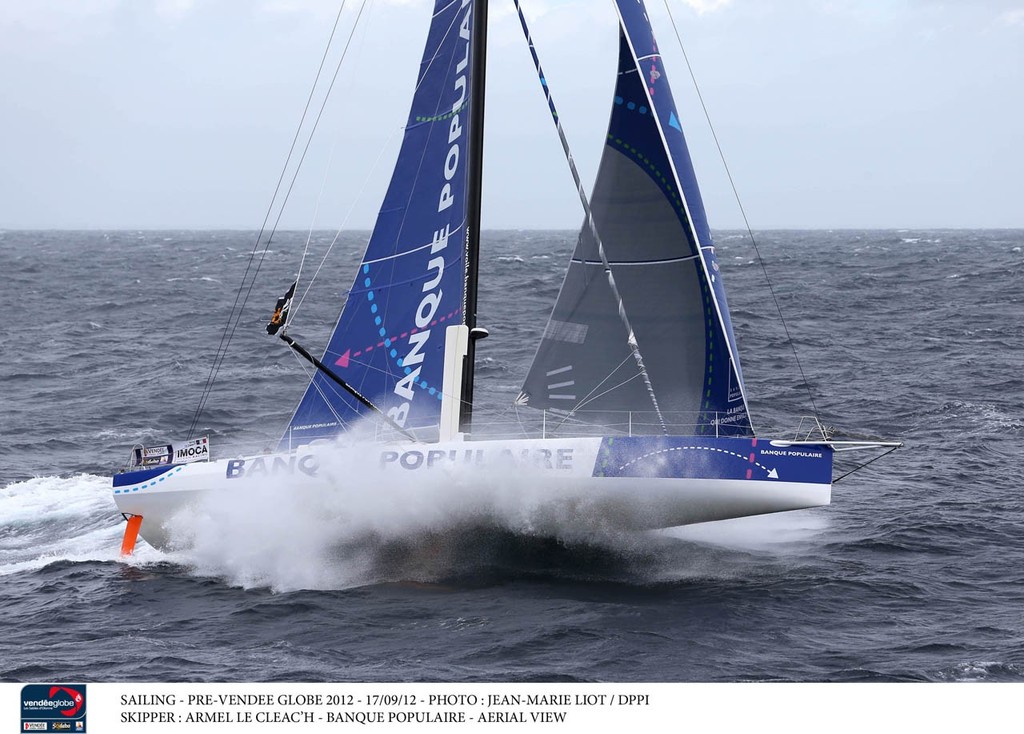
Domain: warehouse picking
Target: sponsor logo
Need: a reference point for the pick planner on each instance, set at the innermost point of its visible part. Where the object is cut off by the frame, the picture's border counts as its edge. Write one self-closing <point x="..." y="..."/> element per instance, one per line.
<point x="265" y="466"/>
<point x="413" y="359"/>
<point x="52" y="707"/>
<point x="195" y="450"/>
<point x="557" y="459"/>
<point x="153" y="455"/>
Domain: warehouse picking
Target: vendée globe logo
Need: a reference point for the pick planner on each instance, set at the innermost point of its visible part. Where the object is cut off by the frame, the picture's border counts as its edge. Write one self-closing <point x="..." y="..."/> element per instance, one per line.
<point x="53" y="707"/>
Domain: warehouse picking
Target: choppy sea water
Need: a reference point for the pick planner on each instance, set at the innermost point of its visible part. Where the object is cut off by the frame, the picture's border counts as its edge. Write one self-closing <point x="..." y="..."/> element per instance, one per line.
<point x="916" y="571"/>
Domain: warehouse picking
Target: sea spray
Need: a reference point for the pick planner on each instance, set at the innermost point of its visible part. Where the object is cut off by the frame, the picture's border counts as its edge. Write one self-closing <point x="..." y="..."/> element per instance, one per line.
<point x="360" y="524"/>
<point x="363" y="527"/>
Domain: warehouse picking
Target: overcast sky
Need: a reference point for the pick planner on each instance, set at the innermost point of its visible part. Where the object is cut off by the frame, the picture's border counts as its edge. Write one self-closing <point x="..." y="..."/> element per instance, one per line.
<point x="832" y="113"/>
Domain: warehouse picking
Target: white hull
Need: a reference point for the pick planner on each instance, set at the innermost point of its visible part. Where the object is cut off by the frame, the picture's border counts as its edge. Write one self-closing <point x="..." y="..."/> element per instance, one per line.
<point x="548" y="475"/>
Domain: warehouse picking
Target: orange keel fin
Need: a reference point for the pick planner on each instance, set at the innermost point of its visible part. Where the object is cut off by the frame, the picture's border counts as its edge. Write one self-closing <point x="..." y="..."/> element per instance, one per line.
<point x="131" y="534"/>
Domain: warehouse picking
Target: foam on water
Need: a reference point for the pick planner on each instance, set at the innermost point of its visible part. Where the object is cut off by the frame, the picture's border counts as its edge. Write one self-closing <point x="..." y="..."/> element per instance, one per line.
<point x="784" y="533"/>
<point x="49" y="519"/>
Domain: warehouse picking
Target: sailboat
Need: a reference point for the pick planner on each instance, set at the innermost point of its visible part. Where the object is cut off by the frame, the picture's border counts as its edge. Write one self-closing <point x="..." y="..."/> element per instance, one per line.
<point x="637" y="379"/>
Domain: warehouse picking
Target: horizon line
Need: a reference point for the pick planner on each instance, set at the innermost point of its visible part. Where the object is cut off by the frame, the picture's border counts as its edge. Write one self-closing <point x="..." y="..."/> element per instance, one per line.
<point x="931" y="228"/>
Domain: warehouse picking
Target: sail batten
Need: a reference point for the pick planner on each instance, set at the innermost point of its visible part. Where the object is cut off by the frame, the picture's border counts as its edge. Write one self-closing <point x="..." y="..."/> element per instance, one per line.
<point x="647" y="211"/>
<point x="591" y="231"/>
<point x="662" y="261"/>
<point x="388" y="342"/>
<point x="685" y="177"/>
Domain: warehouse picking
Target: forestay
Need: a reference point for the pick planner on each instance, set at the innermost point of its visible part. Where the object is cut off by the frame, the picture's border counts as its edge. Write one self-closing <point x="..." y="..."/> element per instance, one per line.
<point x="389" y="340"/>
<point x="650" y="218"/>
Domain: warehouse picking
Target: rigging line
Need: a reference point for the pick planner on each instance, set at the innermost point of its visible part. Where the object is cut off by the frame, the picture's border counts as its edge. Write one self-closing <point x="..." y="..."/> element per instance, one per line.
<point x="337" y="234"/>
<point x="345" y="219"/>
<point x="590" y="395"/>
<point x="316" y="213"/>
<point x="583" y="403"/>
<point x="743" y="213"/>
<point x="291" y="185"/>
<point x="228" y="332"/>
<point x="305" y="150"/>
<point x="419" y="82"/>
<point x="324" y="369"/>
<point x="872" y="461"/>
<point x="494" y="418"/>
<point x="591" y="225"/>
<point x="312" y="373"/>
<point x="580" y="423"/>
<point x="574" y="413"/>
<point x="519" y="421"/>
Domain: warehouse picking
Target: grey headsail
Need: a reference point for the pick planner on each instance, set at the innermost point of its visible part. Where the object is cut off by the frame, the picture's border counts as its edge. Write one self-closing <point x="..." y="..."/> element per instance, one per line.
<point x="650" y="218"/>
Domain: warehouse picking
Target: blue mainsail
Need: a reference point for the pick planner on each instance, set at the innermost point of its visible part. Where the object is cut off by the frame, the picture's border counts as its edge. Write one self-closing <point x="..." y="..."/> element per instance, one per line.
<point x="650" y="218"/>
<point x="389" y="340"/>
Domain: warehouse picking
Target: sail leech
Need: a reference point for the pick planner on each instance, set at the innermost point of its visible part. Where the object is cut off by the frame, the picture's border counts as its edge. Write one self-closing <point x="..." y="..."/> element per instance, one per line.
<point x="388" y="341"/>
<point x="647" y="208"/>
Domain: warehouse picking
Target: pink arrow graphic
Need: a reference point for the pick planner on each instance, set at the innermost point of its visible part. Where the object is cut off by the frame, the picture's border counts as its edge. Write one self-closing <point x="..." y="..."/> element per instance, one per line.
<point x="345" y="359"/>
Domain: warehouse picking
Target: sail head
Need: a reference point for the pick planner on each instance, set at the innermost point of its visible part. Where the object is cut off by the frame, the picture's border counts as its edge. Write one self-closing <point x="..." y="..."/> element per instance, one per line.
<point x="388" y="342"/>
<point x="651" y="222"/>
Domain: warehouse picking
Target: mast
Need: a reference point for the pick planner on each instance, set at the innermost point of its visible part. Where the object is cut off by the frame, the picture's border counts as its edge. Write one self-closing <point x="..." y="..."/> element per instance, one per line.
<point x="476" y="167"/>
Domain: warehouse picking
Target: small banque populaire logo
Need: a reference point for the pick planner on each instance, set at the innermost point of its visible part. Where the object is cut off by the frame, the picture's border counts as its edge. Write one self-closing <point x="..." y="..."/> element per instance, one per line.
<point x="53" y="707"/>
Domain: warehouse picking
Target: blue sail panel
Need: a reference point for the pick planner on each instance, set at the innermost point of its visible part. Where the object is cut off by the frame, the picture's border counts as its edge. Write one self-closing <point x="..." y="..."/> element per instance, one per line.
<point x="724" y="395"/>
<point x="389" y="340"/>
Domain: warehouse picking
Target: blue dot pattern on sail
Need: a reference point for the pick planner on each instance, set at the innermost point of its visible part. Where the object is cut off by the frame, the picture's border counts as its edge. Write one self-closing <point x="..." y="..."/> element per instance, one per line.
<point x="389" y="340"/>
